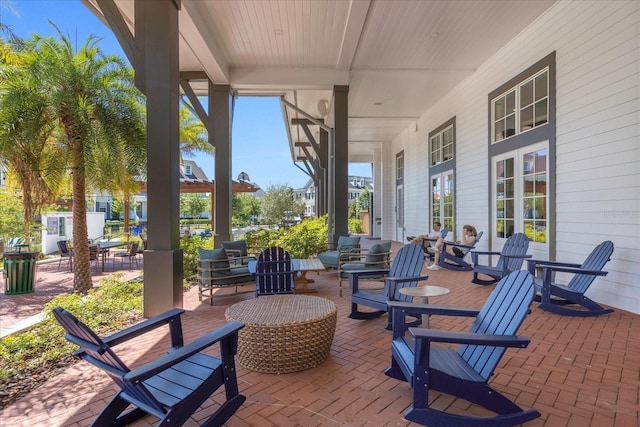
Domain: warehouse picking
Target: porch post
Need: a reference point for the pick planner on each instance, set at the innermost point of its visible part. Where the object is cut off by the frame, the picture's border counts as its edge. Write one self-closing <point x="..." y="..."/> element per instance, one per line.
<point x="220" y="118"/>
<point x="157" y="75"/>
<point x="341" y="170"/>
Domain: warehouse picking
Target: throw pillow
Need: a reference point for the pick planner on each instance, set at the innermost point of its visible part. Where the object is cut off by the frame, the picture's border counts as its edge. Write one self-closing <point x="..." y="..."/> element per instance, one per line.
<point x="237" y="245"/>
<point x="218" y="255"/>
<point x="378" y="252"/>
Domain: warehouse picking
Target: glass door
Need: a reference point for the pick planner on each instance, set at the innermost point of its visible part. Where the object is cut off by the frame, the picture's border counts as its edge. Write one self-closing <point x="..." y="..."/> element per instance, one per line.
<point x="442" y="201"/>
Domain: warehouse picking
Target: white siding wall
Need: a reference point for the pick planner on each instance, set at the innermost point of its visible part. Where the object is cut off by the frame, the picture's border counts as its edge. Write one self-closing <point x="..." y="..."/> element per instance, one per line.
<point x="598" y="138"/>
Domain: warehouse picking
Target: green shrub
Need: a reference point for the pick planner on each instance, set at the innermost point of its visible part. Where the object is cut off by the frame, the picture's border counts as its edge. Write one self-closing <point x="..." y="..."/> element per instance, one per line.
<point x="263" y="237"/>
<point x="304" y="239"/>
<point x="106" y="309"/>
<point x="190" y="247"/>
<point x="355" y="226"/>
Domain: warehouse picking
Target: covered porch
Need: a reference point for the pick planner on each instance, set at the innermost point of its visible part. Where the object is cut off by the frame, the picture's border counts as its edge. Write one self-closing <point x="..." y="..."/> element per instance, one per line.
<point x="576" y="371"/>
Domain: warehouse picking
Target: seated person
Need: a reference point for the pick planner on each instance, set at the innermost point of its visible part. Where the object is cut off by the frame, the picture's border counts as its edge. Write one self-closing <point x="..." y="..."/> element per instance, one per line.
<point x="469" y="234"/>
<point x="435" y="234"/>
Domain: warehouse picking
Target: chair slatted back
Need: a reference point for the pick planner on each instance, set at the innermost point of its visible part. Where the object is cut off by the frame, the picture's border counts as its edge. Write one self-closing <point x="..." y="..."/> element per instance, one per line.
<point x="274" y="272"/>
<point x="99" y="354"/>
<point x="93" y="252"/>
<point x="516" y="244"/>
<point x="502" y="314"/>
<point x="407" y="263"/>
<point x="596" y="261"/>
<point x="444" y="231"/>
<point x="133" y="249"/>
<point x="63" y="247"/>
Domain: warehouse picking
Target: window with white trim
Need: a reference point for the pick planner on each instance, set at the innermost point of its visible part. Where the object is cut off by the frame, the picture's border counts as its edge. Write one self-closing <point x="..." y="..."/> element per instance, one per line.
<point x="400" y="167"/>
<point x="441" y="146"/>
<point x="521" y="108"/>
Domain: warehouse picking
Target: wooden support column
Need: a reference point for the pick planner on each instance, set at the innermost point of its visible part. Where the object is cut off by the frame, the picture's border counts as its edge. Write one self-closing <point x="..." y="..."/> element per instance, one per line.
<point x="157" y="75"/>
<point x="321" y="186"/>
<point x="341" y="177"/>
<point x="220" y="116"/>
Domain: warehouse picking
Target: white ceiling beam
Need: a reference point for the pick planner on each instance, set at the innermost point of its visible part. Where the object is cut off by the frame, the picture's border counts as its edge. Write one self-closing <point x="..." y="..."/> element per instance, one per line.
<point x="200" y="40"/>
<point x="352" y="32"/>
<point x="287" y="78"/>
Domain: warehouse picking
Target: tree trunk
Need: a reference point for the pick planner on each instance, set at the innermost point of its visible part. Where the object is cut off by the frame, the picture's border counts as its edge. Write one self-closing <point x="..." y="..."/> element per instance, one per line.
<point x="81" y="264"/>
<point x="126" y="214"/>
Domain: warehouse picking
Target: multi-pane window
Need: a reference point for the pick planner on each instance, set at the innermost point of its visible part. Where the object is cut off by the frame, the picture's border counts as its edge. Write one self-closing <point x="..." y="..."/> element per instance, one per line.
<point x="400" y="167"/>
<point x="441" y="146"/>
<point x="521" y="108"/>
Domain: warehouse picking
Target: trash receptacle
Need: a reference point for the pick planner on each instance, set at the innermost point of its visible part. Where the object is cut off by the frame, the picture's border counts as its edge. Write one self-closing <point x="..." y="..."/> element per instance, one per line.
<point x="19" y="272"/>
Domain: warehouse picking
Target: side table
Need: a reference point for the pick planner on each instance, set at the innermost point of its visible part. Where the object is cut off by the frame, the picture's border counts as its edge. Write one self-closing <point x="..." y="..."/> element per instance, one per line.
<point x="425" y="292"/>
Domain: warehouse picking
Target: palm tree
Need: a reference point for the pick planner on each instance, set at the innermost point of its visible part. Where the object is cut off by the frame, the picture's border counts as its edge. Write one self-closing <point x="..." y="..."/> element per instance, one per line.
<point x="193" y="134"/>
<point x="92" y="102"/>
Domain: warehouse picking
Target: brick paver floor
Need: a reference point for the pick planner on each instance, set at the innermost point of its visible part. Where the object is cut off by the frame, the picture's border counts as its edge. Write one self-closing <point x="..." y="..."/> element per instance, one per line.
<point x="576" y="371"/>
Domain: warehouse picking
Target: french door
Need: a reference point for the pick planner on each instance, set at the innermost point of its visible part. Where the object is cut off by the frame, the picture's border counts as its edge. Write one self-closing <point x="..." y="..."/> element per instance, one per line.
<point x="442" y="201"/>
<point x="520" y="196"/>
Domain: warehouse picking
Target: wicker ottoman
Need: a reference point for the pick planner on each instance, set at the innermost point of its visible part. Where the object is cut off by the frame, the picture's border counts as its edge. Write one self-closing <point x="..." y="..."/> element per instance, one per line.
<point x="284" y="333"/>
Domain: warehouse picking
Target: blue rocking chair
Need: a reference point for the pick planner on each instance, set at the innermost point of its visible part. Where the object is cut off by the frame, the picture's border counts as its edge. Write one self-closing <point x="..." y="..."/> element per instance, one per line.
<point x="172" y="387"/>
<point x="405" y="272"/>
<point x="463" y="373"/>
<point x="511" y="258"/>
<point x="563" y="299"/>
<point x="457" y="263"/>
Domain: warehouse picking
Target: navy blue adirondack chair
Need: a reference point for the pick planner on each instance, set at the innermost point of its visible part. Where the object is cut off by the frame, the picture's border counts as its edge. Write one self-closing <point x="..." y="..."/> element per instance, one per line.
<point x="274" y="272"/>
<point x="453" y="262"/>
<point x="511" y="258"/>
<point x="404" y="272"/>
<point x="173" y="386"/>
<point x="463" y="373"/>
<point x="563" y="299"/>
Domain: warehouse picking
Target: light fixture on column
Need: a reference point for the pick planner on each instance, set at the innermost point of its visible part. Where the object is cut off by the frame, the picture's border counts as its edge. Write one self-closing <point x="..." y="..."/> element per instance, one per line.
<point x="323" y="107"/>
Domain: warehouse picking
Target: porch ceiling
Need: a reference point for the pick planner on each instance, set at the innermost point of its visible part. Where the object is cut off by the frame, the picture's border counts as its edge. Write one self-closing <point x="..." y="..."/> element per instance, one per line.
<point x="397" y="57"/>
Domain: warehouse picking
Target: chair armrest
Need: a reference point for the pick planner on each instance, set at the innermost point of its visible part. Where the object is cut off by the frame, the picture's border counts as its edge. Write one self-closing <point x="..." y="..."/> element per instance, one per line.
<point x="453" y="337"/>
<point x="573" y="270"/>
<point x="406" y="279"/>
<point x="368" y="273"/>
<point x="144" y="327"/>
<point x="523" y="256"/>
<point x="556" y="263"/>
<point x="441" y="310"/>
<point x="229" y="330"/>
<point x="458" y="245"/>
<point x="486" y="252"/>
<point x="533" y="263"/>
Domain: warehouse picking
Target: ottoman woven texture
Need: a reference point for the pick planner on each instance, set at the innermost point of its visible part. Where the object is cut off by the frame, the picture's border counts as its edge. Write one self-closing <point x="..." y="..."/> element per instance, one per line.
<point x="284" y="333"/>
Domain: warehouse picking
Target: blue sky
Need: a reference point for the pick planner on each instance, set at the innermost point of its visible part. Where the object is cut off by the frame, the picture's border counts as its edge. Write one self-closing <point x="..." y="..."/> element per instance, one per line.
<point x="260" y="145"/>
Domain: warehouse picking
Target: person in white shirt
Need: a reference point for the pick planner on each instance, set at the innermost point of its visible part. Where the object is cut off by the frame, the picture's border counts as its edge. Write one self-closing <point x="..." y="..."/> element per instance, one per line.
<point x="434" y="235"/>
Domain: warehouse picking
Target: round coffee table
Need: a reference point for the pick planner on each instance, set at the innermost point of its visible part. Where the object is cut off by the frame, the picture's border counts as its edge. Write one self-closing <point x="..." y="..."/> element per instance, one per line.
<point x="284" y="333"/>
<point x="424" y="292"/>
